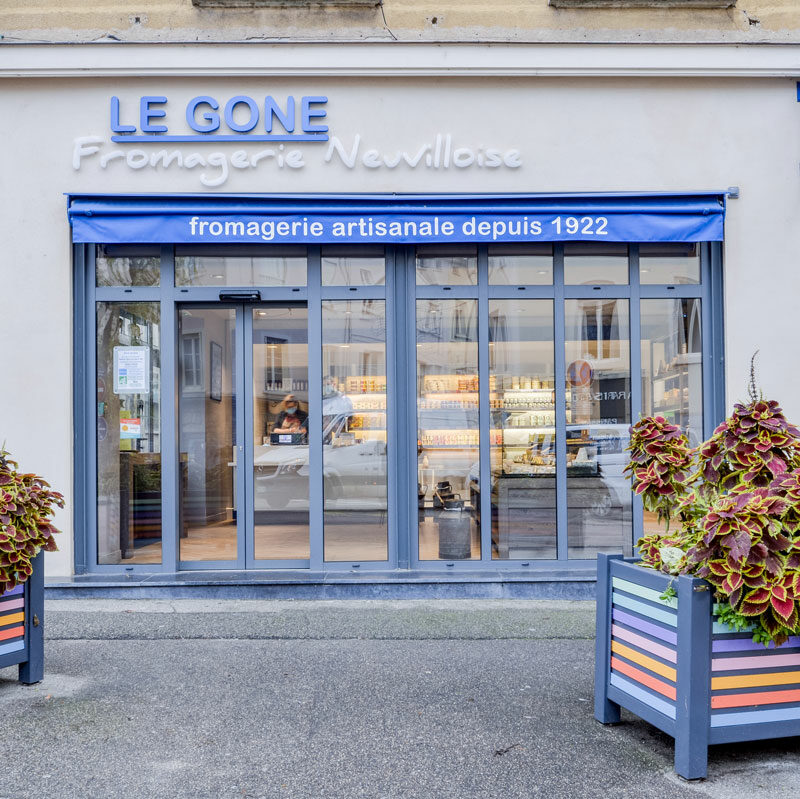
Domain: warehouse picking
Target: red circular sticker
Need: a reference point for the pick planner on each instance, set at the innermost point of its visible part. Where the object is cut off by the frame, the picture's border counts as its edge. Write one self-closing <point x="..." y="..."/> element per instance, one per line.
<point x="580" y="373"/>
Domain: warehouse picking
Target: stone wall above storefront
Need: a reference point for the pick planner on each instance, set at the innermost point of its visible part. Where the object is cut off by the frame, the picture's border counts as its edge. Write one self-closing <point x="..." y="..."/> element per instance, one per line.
<point x="614" y="21"/>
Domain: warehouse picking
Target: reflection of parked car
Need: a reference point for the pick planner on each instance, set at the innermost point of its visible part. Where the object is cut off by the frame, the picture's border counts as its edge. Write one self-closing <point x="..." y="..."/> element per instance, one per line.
<point x="354" y="471"/>
<point x="607" y="450"/>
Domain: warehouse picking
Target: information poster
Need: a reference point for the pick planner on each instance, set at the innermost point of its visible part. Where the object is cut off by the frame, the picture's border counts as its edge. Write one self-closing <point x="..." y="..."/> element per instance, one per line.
<point x="130" y="428"/>
<point x="131" y="370"/>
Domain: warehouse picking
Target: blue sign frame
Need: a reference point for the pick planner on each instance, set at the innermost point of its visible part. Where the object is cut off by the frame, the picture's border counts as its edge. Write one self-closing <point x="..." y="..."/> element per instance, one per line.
<point x="393" y="219"/>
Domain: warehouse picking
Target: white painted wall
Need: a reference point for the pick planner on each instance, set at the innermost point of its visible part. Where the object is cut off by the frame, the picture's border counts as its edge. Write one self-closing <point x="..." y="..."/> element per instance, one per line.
<point x="574" y="134"/>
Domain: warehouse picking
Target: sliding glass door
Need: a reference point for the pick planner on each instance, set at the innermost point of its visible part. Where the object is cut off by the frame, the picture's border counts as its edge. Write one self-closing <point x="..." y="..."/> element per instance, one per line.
<point x="359" y="407"/>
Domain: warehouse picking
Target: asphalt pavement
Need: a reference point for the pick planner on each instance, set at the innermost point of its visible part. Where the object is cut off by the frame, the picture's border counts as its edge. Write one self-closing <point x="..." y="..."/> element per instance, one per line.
<point x="317" y="699"/>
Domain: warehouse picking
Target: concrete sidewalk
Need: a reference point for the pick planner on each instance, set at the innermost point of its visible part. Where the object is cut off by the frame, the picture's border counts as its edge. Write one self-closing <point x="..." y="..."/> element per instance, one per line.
<point x="464" y="698"/>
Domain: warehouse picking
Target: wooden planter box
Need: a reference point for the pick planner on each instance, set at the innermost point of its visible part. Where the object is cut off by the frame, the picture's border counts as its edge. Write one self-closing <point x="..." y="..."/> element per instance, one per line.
<point x="671" y="664"/>
<point x="22" y="626"/>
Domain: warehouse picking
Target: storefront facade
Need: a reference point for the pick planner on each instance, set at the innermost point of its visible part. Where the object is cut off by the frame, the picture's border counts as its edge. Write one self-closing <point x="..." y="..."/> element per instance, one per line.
<point x="319" y="324"/>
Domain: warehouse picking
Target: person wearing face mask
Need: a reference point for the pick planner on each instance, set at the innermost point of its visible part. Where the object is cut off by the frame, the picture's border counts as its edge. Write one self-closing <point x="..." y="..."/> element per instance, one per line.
<point x="291" y="419"/>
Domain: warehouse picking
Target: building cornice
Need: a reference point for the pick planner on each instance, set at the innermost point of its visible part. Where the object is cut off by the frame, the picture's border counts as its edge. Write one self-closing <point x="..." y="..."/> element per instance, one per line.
<point x="399" y="59"/>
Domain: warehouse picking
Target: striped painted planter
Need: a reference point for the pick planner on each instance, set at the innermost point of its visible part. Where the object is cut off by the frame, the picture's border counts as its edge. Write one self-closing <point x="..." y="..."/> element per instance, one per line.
<point x="672" y="665"/>
<point x="22" y="626"/>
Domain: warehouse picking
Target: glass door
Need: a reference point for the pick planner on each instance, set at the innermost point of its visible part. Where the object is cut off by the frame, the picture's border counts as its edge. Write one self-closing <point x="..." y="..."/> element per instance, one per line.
<point x="280" y="429"/>
<point x="210" y="435"/>
<point x="243" y="436"/>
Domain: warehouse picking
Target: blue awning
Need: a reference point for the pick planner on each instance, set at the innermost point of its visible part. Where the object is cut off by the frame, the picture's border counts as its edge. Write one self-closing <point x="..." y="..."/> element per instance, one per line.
<point x="395" y="218"/>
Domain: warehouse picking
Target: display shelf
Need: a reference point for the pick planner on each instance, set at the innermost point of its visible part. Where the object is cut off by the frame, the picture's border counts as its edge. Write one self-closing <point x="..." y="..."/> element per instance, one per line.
<point x="522" y="390"/>
<point x="464" y="447"/>
<point x="447" y="405"/>
<point x="451" y="392"/>
<point x="523" y="408"/>
<point x="528" y="428"/>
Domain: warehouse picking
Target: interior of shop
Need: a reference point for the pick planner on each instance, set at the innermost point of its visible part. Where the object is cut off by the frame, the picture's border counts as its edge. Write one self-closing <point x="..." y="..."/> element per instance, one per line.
<point x="266" y="348"/>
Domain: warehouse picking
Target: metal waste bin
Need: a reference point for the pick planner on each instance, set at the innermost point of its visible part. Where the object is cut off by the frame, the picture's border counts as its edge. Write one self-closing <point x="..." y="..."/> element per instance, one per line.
<point x="455" y="538"/>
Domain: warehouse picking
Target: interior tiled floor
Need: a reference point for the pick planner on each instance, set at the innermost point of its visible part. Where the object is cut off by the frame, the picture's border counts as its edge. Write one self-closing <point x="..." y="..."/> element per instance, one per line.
<point x="343" y="542"/>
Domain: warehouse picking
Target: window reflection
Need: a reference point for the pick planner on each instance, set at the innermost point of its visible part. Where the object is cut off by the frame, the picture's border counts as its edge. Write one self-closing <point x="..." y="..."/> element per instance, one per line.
<point x="281" y="430"/>
<point x="207" y="413"/>
<point x="129" y="265"/>
<point x="353" y="266"/>
<point x="128" y="432"/>
<point x="354" y="430"/>
<point x="598" y="390"/>
<point x="451" y="265"/>
<point x="520" y="264"/>
<point x="447" y="414"/>
<point x="591" y="264"/>
<point x="672" y="369"/>
<point x="523" y="435"/>
<point x="234" y="265"/>
<point x="677" y="264"/>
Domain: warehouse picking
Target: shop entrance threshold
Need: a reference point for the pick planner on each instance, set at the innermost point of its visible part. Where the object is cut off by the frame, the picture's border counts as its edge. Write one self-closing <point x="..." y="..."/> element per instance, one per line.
<point x="574" y="583"/>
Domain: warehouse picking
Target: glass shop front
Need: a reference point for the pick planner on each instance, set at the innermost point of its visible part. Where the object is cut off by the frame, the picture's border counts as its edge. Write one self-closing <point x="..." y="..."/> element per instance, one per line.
<point x="382" y="405"/>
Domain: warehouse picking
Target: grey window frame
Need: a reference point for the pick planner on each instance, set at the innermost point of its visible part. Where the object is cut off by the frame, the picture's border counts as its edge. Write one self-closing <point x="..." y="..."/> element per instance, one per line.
<point x="400" y="293"/>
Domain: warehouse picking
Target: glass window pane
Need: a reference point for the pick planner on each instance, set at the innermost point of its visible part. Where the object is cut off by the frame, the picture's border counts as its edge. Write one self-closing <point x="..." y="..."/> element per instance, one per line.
<point x="447" y="437"/>
<point x="598" y="390"/>
<point x="280" y="429"/>
<point x="520" y="264"/>
<point x="675" y="264"/>
<point x="353" y="266"/>
<point x="672" y="369"/>
<point x="207" y="433"/>
<point x="447" y="265"/>
<point x="523" y="435"/>
<point x="126" y="265"/>
<point x="354" y="459"/>
<point x="128" y="432"/>
<point x="590" y="264"/>
<point x="240" y="266"/>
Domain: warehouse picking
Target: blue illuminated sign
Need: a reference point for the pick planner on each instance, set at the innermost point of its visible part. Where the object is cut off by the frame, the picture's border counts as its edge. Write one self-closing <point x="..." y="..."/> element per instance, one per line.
<point x="238" y="119"/>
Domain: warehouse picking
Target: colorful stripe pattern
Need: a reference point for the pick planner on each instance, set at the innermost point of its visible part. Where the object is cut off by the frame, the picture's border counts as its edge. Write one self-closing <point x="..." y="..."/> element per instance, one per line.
<point x="644" y="645"/>
<point x="12" y="621"/>
<point x="751" y="683"/>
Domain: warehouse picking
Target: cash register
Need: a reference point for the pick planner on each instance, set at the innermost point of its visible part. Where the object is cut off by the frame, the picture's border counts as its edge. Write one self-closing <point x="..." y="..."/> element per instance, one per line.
<point x="287" y="438"/>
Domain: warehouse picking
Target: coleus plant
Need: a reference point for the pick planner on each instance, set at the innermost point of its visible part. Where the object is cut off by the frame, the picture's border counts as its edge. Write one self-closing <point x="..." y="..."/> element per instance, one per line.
<point x="27" y="505"/>
<point x="736" y="499"/>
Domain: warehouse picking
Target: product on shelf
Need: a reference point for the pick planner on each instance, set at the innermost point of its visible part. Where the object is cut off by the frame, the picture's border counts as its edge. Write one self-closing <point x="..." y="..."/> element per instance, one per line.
<point x="451" y="383"/>
<point x="449" y="438"/>
<point x="364" y="385"/>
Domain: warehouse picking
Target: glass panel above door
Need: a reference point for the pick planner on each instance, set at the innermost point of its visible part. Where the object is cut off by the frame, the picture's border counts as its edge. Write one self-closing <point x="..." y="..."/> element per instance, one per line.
<point x="598" y="392"/>
<point x="676" y="264"/>
<point x="354" y="465"/>
<point x="239" y="265"/>
<point x="127" y="265"/>
<point x="281" y="430"/>
<point x="207" y="414"/>
<point x="590" y="264"/>
<point x="353" y="266"/>
<point x="448" y="481"/>
<point x="523" y="432"/>
<point x="520" y="264"/>
<point x="447" y="265"/>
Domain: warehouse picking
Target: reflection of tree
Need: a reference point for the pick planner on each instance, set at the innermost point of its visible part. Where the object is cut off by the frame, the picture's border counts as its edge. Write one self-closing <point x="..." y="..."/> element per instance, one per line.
<point x="134" y="271"/>
<point x="141" y="320"/>
<point x="600" y="328"/>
